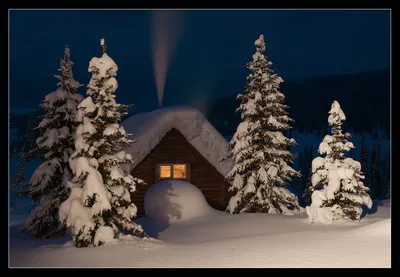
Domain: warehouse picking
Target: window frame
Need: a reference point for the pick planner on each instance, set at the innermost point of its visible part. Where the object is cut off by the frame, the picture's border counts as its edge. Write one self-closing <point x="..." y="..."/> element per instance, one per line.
<point x="171" y="165"/>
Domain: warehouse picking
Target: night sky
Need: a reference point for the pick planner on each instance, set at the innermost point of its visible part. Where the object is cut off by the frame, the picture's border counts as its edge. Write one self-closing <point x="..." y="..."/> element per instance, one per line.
<point x="210" y="57"/>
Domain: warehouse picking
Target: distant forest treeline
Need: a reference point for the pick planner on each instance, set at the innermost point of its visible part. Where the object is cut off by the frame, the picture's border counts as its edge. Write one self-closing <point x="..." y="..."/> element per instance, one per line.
<point x="364" y="97"/>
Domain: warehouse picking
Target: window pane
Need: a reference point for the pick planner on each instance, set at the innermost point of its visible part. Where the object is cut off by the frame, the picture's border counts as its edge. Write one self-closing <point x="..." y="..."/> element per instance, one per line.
<point x="180" y="171"/>
<point x="165" y="171"/>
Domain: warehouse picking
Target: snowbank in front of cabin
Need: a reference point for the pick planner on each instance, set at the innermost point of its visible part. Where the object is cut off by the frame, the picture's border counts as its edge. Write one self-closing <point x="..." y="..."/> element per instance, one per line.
<point x="224" y="240"/>
<point x="379" y="228"/>
<point x="149" y="129"/>
<point x="174" y="200"/>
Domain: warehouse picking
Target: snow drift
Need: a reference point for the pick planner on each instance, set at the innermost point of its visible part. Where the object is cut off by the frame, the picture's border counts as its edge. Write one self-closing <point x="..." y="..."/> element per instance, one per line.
<point x="149" y="129"/>
<point x="224" y="240"/>
<point x="379" y="228"/>
<point x="174" y="200"/>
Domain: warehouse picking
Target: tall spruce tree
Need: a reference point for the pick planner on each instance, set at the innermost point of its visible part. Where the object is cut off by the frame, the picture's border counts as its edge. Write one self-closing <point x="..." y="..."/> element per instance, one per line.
<point x="376" y="171"/>
<point x="338" y="190"/>
<point x="99" y="208"/>
<point x="48" y="182"/>
<point x="259" y="148"/>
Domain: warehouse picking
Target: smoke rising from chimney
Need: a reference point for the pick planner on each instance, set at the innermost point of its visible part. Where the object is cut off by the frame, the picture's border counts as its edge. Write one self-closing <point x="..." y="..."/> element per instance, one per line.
<point x="166" y="32"/>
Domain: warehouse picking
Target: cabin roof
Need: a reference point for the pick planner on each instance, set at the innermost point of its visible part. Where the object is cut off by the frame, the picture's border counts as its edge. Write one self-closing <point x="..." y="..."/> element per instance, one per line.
<point x="148" y="129"/>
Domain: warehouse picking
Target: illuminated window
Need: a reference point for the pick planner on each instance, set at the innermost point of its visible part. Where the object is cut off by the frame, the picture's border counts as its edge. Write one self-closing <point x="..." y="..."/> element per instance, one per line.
<point x="173" y="171"/>
<point x="179" y="171"/>
<point x="165" y="171"/>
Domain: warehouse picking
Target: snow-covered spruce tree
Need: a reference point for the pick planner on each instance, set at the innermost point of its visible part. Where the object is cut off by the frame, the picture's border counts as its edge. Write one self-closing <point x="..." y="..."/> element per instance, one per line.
<point x="364" y="162"/>
<point x="28" y="145"/>
<point x="19" y="144"/>
<point x="19" y="181"/>
<point x="29" y="138"/>
<point x="99" y="208"/>
<point x="338" y="190"/>
<point x="48" y="182"/>
<point x="259" y="148"/>
<point x="305" y="165"/>
<point x="20" y="178"/>
<point x="305" y="169"/>
<point x="376" y="171"/>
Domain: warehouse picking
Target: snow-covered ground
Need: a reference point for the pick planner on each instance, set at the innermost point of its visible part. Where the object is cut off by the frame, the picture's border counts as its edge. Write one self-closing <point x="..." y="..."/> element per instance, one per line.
<point x="211" y="238"/>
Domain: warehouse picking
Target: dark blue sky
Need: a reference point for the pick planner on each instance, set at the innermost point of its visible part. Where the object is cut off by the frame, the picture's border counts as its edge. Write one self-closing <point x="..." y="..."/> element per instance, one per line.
<point x="210" y="58"/>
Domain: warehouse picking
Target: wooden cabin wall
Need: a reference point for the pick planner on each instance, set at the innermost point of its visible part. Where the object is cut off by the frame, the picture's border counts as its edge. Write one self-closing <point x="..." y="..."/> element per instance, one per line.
<point x="174" y="148"/>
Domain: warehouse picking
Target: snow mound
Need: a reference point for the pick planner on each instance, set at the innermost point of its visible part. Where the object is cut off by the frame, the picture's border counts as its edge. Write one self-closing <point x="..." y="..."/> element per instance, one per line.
<point x="380" y="228"/>
<point x="174" y="200"/>
<point x="149" y="129"/>
<point x="385" y="203"/>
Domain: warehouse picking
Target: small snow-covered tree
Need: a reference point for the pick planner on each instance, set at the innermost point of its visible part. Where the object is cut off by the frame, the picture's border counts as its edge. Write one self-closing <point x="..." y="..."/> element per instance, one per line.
<point x="259" y="148"/>
<point x="20" y="178"/>
<point x="376" y="171"/>
<point x="48" y="182"/>
<point x="29" y="138"/>
<point x="305" y="169"/>
<point x="28" y="145"/>
<point x="19" y="181"/>
<point x="18" y="144"/>
<point x="28" y="148"/>
<point x="99" y="208"/>
<point x="386" y="180"/>
<point x="305" y="165"/>
<point x="337" y="182"/>
<point x="364" y="162"/>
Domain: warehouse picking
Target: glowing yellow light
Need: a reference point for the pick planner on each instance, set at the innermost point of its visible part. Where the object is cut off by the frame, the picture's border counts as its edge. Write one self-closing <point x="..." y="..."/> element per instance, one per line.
<point x="165" y="171"/>
<point x="179" y="171"/>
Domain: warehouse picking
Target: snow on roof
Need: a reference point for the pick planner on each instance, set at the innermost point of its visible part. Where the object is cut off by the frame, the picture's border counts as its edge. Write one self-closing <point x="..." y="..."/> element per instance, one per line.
<point x="149" y="129"/>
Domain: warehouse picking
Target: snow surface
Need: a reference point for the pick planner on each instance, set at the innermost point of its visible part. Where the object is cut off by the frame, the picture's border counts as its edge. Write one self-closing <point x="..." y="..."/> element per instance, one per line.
<point x="149" y="129"/>
<point x="220" y="239"/>
<point x="174" y="200"/>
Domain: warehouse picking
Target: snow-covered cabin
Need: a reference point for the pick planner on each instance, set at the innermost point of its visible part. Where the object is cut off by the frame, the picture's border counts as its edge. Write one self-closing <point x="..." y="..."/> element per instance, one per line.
<point x="178" y="143"/>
